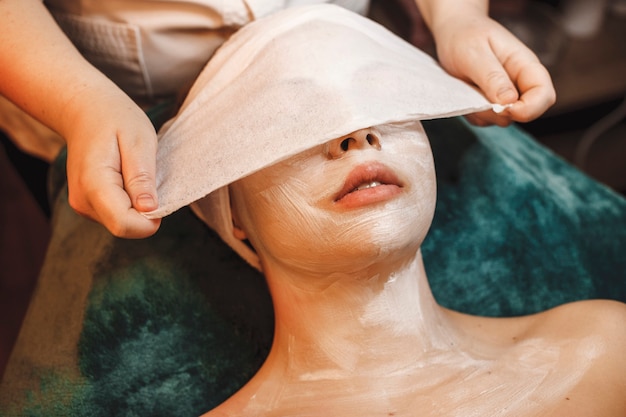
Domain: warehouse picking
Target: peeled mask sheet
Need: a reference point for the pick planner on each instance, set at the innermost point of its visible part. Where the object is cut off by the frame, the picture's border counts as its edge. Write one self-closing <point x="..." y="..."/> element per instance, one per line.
<point x="291" y="81"/>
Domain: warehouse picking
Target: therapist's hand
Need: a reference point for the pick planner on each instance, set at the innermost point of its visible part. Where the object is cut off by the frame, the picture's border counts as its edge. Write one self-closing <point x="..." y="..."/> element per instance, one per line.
<point x="482" y="52"/>
<point x="110" y="141"/>
<point x="472" y="46"/>
<point x="111" y="164"/>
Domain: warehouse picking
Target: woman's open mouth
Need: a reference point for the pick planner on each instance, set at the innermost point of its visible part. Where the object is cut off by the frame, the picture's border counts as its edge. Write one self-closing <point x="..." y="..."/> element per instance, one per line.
<point x="368" y="184"/>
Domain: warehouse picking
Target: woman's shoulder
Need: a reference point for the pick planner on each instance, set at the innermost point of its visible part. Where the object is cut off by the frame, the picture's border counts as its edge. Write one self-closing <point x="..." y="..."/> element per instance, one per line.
<point x="592" y="336"/>
<point x="583" y="318"/>
<point x="582" y="343"/>
<point x="580" y="318"/>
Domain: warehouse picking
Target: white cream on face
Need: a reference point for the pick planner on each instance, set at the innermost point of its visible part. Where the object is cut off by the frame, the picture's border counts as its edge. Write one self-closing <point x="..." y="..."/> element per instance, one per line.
<point x="346" y="346"/>
<point x="290" y="214"/>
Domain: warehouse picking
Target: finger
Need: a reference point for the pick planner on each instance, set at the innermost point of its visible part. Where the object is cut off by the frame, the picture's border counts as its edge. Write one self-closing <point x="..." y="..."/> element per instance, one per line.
<point x="489" y="75"/>
<point x="537" y="93"/>
<point x="488" y="118"/>
<point x="138" y="163"/>
<point x="96" y="191"/>
<point x="112" y="207"/>
<point x="530" y="77"/>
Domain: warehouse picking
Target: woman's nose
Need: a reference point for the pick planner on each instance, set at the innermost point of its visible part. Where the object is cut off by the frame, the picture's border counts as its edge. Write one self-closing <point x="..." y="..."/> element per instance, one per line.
<point x="361" y="139"/>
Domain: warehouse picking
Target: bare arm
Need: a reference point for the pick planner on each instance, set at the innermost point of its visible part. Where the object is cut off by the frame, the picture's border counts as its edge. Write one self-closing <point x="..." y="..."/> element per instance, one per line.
<point x="472" y="46"/>
<point x="111" y="142"/>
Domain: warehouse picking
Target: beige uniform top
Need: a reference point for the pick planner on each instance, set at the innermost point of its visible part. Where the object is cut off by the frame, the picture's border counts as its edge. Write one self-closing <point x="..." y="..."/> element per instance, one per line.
<point x="155" y="48"/>
<point x="152" y="49"/>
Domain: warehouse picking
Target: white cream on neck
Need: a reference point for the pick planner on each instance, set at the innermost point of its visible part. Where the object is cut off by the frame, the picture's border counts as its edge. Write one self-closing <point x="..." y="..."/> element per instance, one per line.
<point x="358" y="331"/>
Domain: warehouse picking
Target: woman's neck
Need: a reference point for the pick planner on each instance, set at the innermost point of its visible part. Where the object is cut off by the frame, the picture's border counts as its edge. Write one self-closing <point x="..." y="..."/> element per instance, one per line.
<point x="370" y="322"/>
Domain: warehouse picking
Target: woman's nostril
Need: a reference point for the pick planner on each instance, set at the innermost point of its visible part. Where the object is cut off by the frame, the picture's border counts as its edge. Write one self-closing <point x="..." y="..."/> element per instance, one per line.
<point x="373" y="140"/>
<point x="358" y="142"/>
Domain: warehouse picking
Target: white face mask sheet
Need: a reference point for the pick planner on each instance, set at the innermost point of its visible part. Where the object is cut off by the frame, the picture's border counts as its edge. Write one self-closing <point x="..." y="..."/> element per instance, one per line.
<point x="284" y="84"/>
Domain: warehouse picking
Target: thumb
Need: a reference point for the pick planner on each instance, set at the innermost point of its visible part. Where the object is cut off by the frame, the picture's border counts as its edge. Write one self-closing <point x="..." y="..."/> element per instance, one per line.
<point x="139" y="173"/>
<point x="141" y="188"/>
<point x="481" y="66"/>
<point x="494" y="81"/>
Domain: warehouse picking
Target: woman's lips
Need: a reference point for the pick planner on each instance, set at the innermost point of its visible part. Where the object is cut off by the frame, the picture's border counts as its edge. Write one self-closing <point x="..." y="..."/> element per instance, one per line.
<point x="368" y="184"/>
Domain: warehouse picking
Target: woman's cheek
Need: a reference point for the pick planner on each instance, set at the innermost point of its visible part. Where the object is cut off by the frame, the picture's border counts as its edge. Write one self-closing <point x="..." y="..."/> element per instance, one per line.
<point x="290" y="227"/>
<point x="295" y="232"/>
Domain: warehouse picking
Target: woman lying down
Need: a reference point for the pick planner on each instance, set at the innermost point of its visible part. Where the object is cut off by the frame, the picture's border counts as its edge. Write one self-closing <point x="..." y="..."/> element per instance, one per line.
<point x="301" y="145"/>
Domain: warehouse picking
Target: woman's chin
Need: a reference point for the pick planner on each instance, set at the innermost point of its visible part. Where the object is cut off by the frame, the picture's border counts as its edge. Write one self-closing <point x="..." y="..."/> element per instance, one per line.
<point x="376" y="251"/>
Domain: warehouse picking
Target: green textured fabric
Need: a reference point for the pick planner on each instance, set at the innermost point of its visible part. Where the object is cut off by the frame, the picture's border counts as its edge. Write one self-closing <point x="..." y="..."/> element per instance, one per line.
<point x="174" y="324"/>
<point x="518" y="230"/>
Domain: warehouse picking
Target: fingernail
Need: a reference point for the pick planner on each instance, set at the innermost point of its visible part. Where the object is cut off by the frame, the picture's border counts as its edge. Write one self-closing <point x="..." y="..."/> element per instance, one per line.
<point x="145" y="201"/>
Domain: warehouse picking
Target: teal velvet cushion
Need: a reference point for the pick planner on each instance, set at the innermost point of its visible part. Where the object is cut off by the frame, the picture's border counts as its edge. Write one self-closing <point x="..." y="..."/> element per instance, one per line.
<point x="174" y="324"/>
<point x="518" y="230"/>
